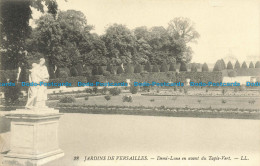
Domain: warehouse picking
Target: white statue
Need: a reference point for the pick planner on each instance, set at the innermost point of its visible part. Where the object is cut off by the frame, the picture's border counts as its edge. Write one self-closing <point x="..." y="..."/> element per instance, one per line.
<point x="37" y="95"/>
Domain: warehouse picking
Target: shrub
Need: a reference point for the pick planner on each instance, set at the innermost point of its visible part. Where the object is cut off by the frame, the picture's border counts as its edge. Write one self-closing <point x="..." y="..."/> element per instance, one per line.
<point x="164" y="67"/>
<point x="244" y="66"/>
<point x="229" y="65"/>
<point x="251" y="101"/>
<point x="129" y="69"/>
<point x="73" y="72"/>
<point x="109" y="68"/>
<point x="79" y="69"/>
<point x="120" y="70"/>
<point x="95" y="90"/>
<point x="95" y="70"/>
<point x="251" y="65"/>
<point x="183" y="67"/>
<point x="257" y="65"/>
<point x="148" y="67"/>
<point x="193" y="68"/>
<point x="106" y="73"/>
<point x="100" y="70"/>
<point x="107" y="97"/>
<point x="138" y="69"/>
<point x="223" y="101"/>
<point x="133" y="89"/>
<point x="63" y="74"/>
<point x="155" y="68"/>
<point x="127" y="99"/>
<point x="152" y="100"/>
<point x="67" y="99"/>
<point x="104" y="90"/>
<point x="222" y="64"/>
<point x="205" y="67"/>
<point x="237" y="65"/>
<point x="89" y="90"/>
<point x="114" y="91"/>
<point x="232" y="73"/>
<point x="86" y="98"/>
<point x="199" y="101"/>
<point x="217" y="67"/>
<point x="172" y="67"/>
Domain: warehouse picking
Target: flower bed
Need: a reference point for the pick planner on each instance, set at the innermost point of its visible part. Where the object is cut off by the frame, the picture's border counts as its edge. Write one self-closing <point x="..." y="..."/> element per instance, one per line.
<point x="162" y="111"/>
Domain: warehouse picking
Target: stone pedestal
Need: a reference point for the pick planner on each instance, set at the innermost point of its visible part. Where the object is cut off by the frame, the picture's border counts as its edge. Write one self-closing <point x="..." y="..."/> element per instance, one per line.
<point x="34" y="137"/>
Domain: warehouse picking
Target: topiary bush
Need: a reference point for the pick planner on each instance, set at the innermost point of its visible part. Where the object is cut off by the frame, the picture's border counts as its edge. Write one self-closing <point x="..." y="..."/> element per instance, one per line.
<point x="138" y="69"/>
<point x="164" y="67"/>
<point x="251" y="65"/>
<point x="205" y="67"/>
<point x="120" y="70"/>
<point x="107" y="97"/>
<point x="148" y="67"/>
<point x="127" y="99"/>
<point x="183" y="67"/>
<point x="229" y="65"/>
<point x="129" y="69"/>
<point x="73" y="72"/>
<point x="244" y="65"/>
<point x="100" y="70"/>
<point x="155" y="68"/>
<point x="172" y="67"/>
<point x="237" y="65"/>
<point x="95" y="70"/>
<point x="257" y="65"/>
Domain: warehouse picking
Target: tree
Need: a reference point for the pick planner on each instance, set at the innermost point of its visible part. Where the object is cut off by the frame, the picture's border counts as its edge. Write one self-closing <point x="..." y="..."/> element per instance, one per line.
<point x="183" y="28"/>
<point x="257" y="65"/>
<point x="120" y="43"/>
<point x="129" y="69"/>
<point x="15" y="29"/>
<point x="109" y="68"/>
<point x="142" y="52"/>
<point x="251" y="65"/>
<point x="183" y="67"/>
<point x="217" y="66"/>
<point x="155" y="68"/>
<point x="138" y="68"/>
<point x="120" y="70"/>
<point x="229" y="65"/>
<point x="244" y="65"/>
<point x="148" y="67"/>
<point x="100" y="70"/>
<point x="205" y="67"/>
<point x="172" y="67"/>
<point x="237" y="65"/>
<point x="164" y="67"/>
<point x="193" y="68"/>
<point x="223" y="65"/>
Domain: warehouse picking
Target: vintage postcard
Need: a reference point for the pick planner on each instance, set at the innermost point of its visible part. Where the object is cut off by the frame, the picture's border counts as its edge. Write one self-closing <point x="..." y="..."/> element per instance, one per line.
<point x="130" y="83"/>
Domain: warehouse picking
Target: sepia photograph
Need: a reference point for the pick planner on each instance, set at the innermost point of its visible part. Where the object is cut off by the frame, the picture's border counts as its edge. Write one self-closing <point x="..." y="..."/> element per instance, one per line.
<point x="129" y="82"/>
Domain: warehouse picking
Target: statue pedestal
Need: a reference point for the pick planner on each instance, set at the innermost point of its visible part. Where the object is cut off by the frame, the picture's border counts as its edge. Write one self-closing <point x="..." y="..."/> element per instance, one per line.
<point x="34" y="137"/>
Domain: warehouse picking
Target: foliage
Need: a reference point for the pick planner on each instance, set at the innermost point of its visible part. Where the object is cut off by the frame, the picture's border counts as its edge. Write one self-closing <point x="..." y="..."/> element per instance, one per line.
<point x="183" y="67"/>
<point x="244" y="65"/>
<point x="232" y="73"/>
<point x="107" y="97"/>
<point x="172" y="67"/>
<point x="217" y="66"/>
<point x="95" y="70"/>
<point x="73" y="72"/>
<point x="229" y="65"/>
<point x="251" y="65"/>
<point x="86" y="98"/>
<point x="138" y="68"/>
<point x="193" y="68"/>
<point x="237" y="65"/>
<point x="155" y="68"/>
<point x="114" y="91"/>
<point x="120" y="70"/>
<point x="133" y="89"/>
<point x="67" y="99"/>
<point x="164" y="67"/>
<point x="127" y="99"/>
<point x="129" y="68"/>
<point x="257" y="65"/>
<point x="148" y="67"/>
<point x="100" y="70"/>
<point x="205" y="67"/>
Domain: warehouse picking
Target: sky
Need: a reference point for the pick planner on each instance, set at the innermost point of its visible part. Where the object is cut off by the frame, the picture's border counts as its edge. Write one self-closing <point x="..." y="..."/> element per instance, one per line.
<point x="226" y="27"/>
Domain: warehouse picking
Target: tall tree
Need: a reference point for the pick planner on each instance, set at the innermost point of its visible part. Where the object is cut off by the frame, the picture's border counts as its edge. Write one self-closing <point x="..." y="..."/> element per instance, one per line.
<point x="120" y="43"/>
<point x="14" y="21"/>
